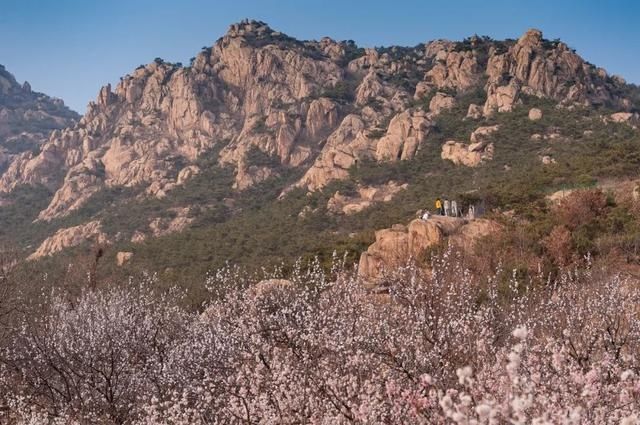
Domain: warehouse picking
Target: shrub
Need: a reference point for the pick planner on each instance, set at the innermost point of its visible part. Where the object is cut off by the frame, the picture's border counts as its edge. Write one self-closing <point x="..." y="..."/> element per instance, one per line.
<point x="260" y="126"/>
<point x="256" y="157"/>
<point x="559" y="245"/>
<point x="582" y="208"/>
<point x="351" y="52"/>
<point x="342" y="91"/>
<point x="376" y="133"/>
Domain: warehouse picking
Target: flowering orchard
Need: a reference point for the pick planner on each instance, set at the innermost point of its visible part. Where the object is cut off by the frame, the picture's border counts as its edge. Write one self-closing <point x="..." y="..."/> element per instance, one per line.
<point x="320" y="348"/>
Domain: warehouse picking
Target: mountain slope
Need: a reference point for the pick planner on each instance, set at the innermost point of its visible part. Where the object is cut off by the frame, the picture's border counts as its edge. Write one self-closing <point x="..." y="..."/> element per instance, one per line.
<point x="261" y="115"/>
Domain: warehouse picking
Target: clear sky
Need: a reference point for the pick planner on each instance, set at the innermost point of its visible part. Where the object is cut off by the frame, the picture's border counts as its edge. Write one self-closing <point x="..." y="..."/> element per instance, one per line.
<point x="70" y="48"/>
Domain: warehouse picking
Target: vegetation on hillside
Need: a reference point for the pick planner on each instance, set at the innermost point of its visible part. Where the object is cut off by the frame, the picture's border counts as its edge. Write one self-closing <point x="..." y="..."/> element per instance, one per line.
<point x="254" y="229"/>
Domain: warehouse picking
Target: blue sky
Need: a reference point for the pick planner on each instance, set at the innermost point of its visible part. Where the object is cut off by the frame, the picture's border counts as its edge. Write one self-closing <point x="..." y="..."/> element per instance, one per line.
<point x="70" y="48"/>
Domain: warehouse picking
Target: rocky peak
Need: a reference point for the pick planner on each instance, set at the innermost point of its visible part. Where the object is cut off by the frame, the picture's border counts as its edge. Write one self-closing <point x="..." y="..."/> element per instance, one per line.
<point x="531" y="38"/>
<point x="248" y="27"/>
<point x="7" y="81"/>
<point x="105" y="97"/>
<point x="439" y="48"/>
<point x="543" y="68"/>
<point x="11" y="88"/>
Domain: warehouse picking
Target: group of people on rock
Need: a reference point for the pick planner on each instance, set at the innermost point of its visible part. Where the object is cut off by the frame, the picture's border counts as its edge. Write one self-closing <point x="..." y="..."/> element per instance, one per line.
<point x="449" y="208"/>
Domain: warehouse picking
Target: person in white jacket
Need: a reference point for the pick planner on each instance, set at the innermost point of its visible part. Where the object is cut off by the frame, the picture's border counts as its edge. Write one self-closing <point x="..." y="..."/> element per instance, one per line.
<point x="472" y="212"/>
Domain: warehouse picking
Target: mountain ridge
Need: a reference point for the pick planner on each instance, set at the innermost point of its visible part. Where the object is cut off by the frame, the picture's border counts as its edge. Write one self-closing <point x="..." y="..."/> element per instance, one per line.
<point x="267" y="103"/>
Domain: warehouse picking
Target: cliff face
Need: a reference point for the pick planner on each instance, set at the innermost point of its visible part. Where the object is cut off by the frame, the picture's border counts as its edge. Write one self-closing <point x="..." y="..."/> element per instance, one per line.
<point x="27" y="117"/>
<point x="321" y="105"/>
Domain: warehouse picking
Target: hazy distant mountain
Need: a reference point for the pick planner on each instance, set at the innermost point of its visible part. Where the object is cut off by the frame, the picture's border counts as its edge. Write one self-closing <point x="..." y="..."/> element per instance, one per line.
<point x="27" y="117"/>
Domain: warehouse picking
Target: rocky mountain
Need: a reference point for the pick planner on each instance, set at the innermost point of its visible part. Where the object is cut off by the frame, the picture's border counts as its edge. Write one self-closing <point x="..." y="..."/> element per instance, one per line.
<point x="263" y="104"/>
<point x="27" y="117"/>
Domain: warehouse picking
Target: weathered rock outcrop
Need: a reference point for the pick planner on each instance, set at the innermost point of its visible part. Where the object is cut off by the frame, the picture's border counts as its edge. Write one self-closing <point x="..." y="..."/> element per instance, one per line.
<point x="472" y="154"/>
<point x="70" y="237"/>
<point x="352" y="142"/>
<point x="441" y="102"/>
<point x="166" y="226"/>
<point x="394" y="247"/>
<point x="625" y="117"/>
<point x="452" y="69"/>
<point x="501" y="98"/>
<point x="483" y="134"/>
<point x="259" y="89"/>
<point x="535" y="114"/>
<point x="364" y="197"/>
<point x="123" y="257"/>
<point x="187" y="173"/>
<point x="349" y="143"/>
<point x="400" y="244"/>
<point x="469" y="155"/>
<point x="405" y="134"/>
<point x="474" y="111"/>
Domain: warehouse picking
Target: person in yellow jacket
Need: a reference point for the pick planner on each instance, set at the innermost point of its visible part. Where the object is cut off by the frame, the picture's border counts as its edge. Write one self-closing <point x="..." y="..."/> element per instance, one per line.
<point x="439" y="206"/>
